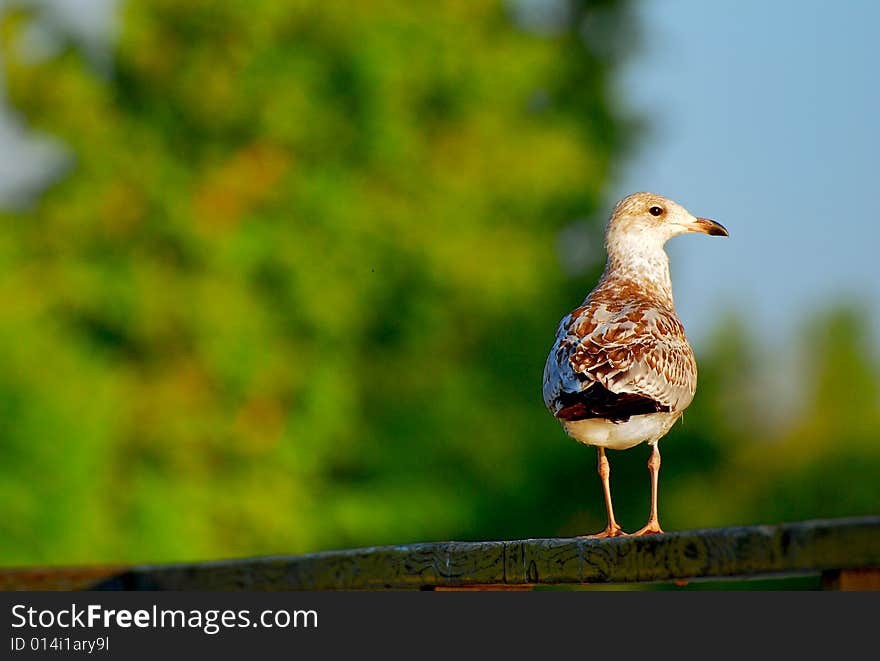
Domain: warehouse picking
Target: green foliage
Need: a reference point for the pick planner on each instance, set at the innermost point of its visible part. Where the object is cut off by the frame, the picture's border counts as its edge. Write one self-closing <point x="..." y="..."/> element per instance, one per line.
<point x="820" y="460"/>
<point x="296" y="288"/>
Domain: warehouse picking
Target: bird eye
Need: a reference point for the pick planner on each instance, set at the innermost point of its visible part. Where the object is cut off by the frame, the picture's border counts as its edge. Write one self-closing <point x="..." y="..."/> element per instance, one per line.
<point x="656" y="211"/>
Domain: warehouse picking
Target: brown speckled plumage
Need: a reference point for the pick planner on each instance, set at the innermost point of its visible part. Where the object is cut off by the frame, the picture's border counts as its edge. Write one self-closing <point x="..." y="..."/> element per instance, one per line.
<point x="626" y="346"/>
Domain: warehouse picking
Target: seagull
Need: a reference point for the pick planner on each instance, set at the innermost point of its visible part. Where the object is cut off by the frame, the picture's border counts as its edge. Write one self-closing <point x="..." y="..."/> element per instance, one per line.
<point x="621" y="371"/>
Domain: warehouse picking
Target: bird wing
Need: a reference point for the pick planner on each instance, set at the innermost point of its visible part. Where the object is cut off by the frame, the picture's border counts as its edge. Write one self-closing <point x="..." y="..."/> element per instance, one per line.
<point x="614" y="360"/>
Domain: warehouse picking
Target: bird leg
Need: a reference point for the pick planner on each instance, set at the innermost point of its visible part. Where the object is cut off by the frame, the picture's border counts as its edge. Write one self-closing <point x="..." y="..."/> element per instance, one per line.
<point x="653" y="525"/>
<point x="612" y="529"/>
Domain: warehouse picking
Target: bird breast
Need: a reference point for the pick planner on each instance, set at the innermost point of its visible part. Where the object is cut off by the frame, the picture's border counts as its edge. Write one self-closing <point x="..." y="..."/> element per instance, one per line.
<point x="621" y="435"/>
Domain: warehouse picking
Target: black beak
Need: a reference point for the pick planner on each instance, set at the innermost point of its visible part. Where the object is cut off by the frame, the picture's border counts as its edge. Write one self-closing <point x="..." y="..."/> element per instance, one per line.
<point x="710" y="227"/>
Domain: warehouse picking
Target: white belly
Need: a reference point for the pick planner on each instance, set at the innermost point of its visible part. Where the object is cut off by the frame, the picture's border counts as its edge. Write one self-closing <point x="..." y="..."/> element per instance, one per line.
<point x="621" y="435"/>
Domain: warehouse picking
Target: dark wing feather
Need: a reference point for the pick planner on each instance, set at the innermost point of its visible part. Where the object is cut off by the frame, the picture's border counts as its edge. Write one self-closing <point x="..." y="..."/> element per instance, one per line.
<point x="599" y="402"/>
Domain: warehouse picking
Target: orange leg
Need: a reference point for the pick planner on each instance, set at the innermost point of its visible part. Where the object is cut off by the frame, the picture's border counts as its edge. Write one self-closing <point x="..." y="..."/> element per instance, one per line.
<point x="653" y="525"/>
<point x="612" y="529"/>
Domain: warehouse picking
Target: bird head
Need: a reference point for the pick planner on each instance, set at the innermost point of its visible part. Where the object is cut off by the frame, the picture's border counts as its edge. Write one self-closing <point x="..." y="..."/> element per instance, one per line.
<point x="651" y="220"/>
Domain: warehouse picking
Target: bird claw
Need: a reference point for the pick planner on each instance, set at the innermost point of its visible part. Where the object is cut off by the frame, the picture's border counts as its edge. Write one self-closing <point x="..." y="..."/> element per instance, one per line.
<point x="615" y="531"/>
<point x="652" y="528"/>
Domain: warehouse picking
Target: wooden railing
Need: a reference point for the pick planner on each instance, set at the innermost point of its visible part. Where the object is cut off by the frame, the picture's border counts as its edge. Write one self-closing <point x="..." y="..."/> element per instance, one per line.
<point x="844" y="552"/>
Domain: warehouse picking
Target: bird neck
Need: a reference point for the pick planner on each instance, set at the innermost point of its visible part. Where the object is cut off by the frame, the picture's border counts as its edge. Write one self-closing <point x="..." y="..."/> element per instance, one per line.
<point x="642" y="268"/>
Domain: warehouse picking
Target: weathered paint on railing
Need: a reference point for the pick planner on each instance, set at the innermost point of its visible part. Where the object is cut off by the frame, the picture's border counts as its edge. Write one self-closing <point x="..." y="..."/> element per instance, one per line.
<point x="845" y="551"/>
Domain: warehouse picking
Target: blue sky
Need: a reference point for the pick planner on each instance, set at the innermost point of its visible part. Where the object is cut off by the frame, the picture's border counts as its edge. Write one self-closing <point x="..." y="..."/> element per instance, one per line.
<point x="766" y="117"/>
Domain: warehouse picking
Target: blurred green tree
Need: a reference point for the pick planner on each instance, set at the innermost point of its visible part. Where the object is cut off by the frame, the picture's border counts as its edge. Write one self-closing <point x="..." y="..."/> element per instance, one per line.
<point x="819" y="459"/>
<point x="296" y="288"/>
